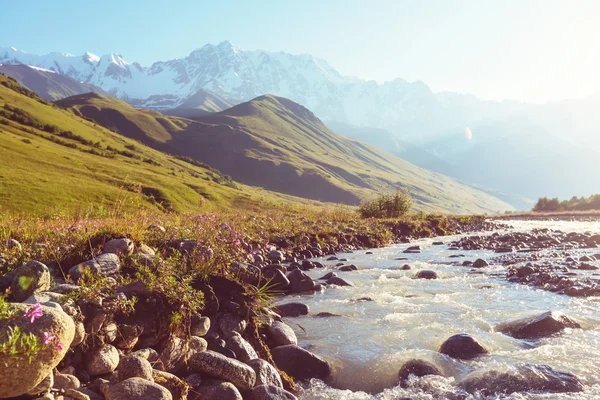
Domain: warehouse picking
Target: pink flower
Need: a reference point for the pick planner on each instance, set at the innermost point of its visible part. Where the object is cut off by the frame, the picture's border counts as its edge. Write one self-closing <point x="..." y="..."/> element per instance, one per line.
<point x="48" y="338"/>
<point x="59" y="346"/>
<point x="34" y="312"/>
<point x="237" y="242"/>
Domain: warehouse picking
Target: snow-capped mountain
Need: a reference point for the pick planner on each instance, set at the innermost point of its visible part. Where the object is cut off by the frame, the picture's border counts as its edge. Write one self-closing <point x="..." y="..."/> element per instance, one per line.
<point x="408" y="108"/>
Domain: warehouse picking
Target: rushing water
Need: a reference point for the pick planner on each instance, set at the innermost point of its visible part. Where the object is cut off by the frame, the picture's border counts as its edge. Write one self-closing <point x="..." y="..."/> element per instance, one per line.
<point x="410" y="318"/>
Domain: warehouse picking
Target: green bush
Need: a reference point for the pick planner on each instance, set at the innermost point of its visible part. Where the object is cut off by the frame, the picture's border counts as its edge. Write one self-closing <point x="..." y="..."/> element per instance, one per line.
<point x="387" y="205"/>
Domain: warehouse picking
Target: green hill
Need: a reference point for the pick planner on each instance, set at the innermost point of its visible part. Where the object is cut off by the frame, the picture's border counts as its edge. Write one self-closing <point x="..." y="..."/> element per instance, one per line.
<point x="281" y="146"/>
<point x="53" y="161"/>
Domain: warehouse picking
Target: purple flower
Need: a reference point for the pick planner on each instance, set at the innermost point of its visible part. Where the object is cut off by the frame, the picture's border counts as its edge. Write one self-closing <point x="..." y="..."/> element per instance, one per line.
<point x="34" y="312"/>
<point x="48" y="338"/>
<point x="59" y="346"/>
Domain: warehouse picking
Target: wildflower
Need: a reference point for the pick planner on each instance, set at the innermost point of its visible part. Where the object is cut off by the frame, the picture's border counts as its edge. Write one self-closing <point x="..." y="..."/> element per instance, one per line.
<point x="48" y="338"/>
<point x="34" y="312"/>
<point x="59" y="346"/>
<point x="237" y="242"/>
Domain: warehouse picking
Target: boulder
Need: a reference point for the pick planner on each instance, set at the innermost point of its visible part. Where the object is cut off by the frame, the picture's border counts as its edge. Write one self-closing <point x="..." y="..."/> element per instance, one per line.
<point x="200" y="326"/>
<point x="266" y="374"/>
<point x="462" y="346"/>
<point x="264" y="392"/>
<point x="417" y="368"/>
<point x="105" y="264"/>
<point x="526" y="378"/>
<point x="426" y="274"/>
<point x="337" y="281"/>
<point x="292" y="309"/>
<point x="538" y="326"/>
<point x="242" y="349"/>
<point x="66" y="381"/>
<point x="137" y="388"/>
<point x="525" y="271"/>
<point x="178" y="388"/>
<point x="275" y="255"/>
<point x="13" y="244"/>
<point x="118" y="246"/>
<point x="102" y="360"/>
<point x="214" y="389"/>
<point x="217" y="365"/>
<point x="480" y="263"/>
<point x="281" y="334"/>
<point x="19" y="375"/>
<point x="347" y="268"/>
<point x="276" y="279"/>
<point x="299" y="363"/>
<point x="132" y="366"/>
<point x="31" y="278"/>
<point x="228" y="323"/>
<point x="299" y="281"/>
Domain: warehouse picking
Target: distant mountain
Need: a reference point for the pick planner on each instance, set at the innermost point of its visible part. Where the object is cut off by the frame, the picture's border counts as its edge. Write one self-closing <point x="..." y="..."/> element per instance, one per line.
<point x="47" y="84"/>
<point x="200" y="104"/>
<point x="281" y="146"/>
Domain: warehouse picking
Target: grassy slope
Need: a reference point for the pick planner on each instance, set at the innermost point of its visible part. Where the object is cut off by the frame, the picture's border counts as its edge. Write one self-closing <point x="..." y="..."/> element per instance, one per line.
<point x="38" y="175"/>
<point x="277" y="144"/>
<point x="200" y="104"/>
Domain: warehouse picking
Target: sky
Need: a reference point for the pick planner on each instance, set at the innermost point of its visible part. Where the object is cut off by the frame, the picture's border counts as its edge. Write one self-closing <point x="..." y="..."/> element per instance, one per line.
<point x="527" y="50"/>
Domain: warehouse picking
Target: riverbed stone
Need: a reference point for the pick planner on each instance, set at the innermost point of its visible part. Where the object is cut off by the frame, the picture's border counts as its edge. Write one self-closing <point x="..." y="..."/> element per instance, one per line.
<point x="266" y="374"/>
<point x="118" y="246"/>
<point x="426" y="274"/>
<point x="543" y="325"/>
<point x="215" y="389"/>
<point x="102" y="360"/>
<point x="31" y="278"/>
<point x="299" y="363"/>
<point x="282" y="334"/>
<point x="242" y="349"/>
<point x="105" y="264"/>
<point x="137" y="388"/>
<point x="200" y="326"/>
<point x="177" y="387"/>
<point x="132" y="366"/>
<point x="300" y="282"/>
<point x="220" y="366"/>
<point x="417" y="368"/>
<point x="337" y="281"/>
<point x="463" y="347"/>
<point x="292" y="309"/>
<point x="480" y="263"/>
<point x="18" y="375"/>
<point x="265" y="392"/>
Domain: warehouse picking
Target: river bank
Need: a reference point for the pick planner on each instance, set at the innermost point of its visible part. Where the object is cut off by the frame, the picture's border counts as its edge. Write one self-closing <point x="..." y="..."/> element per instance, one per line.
<point x="188" y="295"/>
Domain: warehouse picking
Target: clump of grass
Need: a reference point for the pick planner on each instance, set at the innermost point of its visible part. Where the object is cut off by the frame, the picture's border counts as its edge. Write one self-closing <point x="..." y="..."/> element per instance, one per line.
<point x="387" y="205"/>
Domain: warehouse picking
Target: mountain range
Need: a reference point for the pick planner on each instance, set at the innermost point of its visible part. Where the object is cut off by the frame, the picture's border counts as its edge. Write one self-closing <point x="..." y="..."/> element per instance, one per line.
<point x="404" y="118"/>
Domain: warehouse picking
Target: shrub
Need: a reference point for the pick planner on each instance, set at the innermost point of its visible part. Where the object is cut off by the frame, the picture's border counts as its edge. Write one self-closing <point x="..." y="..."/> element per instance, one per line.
<point x="387" y="205"/>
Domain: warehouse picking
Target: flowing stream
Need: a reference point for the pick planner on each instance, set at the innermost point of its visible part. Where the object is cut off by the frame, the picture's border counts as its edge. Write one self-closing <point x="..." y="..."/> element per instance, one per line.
<point x="410" y="318"/>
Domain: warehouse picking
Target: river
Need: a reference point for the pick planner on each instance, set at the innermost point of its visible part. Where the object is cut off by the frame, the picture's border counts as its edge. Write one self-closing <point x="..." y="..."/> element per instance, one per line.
<point x="410" y="318"/>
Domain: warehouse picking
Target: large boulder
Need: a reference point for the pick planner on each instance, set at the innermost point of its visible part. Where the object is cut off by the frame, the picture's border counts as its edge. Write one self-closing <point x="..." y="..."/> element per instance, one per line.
<point x="480" y="263"/>
<point x="417" y="368"/>
<point x="240" y="346"/>
<point x="137" y="388"/>
<point x="215" y="389"/>
<point x="19" y="374"/>
<point x="426" y="274"/>
<point x="264" y="392"/>
<point x="275" y="279"/>
<point x="266" y="374"/>
<point x="299" y="363"/>
<point x="220" y="366"/>
<point x="538" y="326"/>
<point x="31" y="278"/>
<point x="102" y="360"/>
<point x="462" y="346"/>
<point x="292" y="309"/>
<point x="526" y="378"/>
<point x="177" y="387"/>
<point x="132" y="367"/>
<point x="300" y="282"/>
<point x="282" y="334"/>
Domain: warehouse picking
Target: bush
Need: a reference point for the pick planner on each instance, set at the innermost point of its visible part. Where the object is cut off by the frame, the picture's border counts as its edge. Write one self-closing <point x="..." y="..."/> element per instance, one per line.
<point x="387" y="205"/>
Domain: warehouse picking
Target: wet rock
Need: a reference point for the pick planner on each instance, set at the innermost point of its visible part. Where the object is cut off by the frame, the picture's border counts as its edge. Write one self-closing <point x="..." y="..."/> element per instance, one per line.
<point x="338" y="281"/>
<point x="480" y="263"/>
<point x="105" y="264"/>
<point x="242" y="349"/>
<point x="332" y="258"/>
<point x="438" y="243"/>
<point x="538" y="326"/>
<point x="131" y="367"/>
<point x="281" y="334"/>
<point x="300" y="282"/>
<point x="351" y="267"/>
<point x="265" y="392"/>
<point x="527" y="378"/>
<point x="292" y="309"/>
<point x="462" y="346"/>
<point x="328" y="275"/>
<point x="31" y="278"/>
<point x="18" y="375"/>
<point x="417" y="368"/>
<point x="587" y="267"/>
<point x="299" y="363"/>
<point x="405" y="267"/>
<point x="118" y="246"/>
<point x="425" y="274"/>
<point x="102" y="360"/>
<point x="276" y="279"/>
<point x="525" y="271"/>
<point x="275" y="255"/>
<point x="214" y="389"/>
<point x="217" y="365"/>
<point x="326" y="314"/>
<point x="413" y="250"/>
<point x="137" y="388"/>
<point x="266" y="374"/>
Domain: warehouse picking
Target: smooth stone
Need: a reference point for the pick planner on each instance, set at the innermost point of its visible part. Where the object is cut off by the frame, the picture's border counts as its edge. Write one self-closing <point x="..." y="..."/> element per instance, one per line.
<point x="417" y="368"/>
<point x="337" y="281"/>
<point x="300" y="364"/>
<point x="66" y="381"/>
<point x="132" y="367"/>
<point x="462" y="346"/>
<point x="266" y="374"/>
<point x="118" y="246"/>
<point x="137" y="388"/>
<point x="228" y="369"/>
<point x="242" y="349"/>
<point x="102" y="360"/>
<point x="292" y="309"/>
<point x="425" y="274"/>
<point x="480" y="263"/>
<point x="214" y="389"/>
<point x="543" y="325"/>
<point x="31" y="278"/>
<point x="282" y="334"/>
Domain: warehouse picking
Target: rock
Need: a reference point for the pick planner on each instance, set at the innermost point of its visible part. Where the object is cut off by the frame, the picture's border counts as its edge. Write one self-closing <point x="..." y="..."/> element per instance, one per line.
<point x="217" y="365"/>
<point x="118" y="246"/>
<point x="405" y="267"/>
<point x="230" y="323"/>
<point x="276" y="279"/>
<point x="417" y="368"/>
<point x="13" y="244"/>
<point x="18" y="374"/>
<point x="44" y="386"/>
<point x="102" y="360"/>
<point x="524" y="271"/>
<point x="266" y="374"/>
<point x="242" y="349"/>
<point x="156" y="227"/>
<point x="193" y="380"/>
<point x="265" y="392"/>
<point x="326" y="314"/>
<point x="328" y="275"/>
<point x="66" y="381"/>
<point x="31" y="278"/>
<point x="173" y="353"/>
<point x="79" y="334"/>
<point x="538" y="326"/>
<point x="587" y="267"/>
<point x="300" y="282"/>
<point x="91" y="394"/>
<point x="299" y="363"/>
<point x="147" y="354"/>
<point x="200" y="326"/>
<point x="137" y="388"/>
<point x="178" y="388"/>
<point x="76" y="395"/>
<point x="527" y="378"/>
<point x="480" y="263"/>
<point x="413" y="250"/>
<point x="292" y="309"/>
<point x="426" y="274"/>
<point x="105" y="264"/>
<point x="132" y="367"/>
<point x="65" y="288"/>
<point x="438" y="243"/>
<point x="45" y="297"/>
<point x="214" y="389"/>
<point x="338" y="281"/>
<point x="282" y="334"/>
<point x="462" y="346"/>
<point x="275" y="255"/>
<point x="346" y="268"/>
<point x="145" y="250"/>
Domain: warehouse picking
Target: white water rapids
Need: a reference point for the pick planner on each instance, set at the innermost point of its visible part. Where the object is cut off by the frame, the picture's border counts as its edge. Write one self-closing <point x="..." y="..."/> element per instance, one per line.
<point x="410" y="318"/>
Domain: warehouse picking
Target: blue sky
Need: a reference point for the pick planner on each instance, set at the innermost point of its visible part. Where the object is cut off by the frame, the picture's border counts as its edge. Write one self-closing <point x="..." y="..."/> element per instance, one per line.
<point x="530" y="50"/>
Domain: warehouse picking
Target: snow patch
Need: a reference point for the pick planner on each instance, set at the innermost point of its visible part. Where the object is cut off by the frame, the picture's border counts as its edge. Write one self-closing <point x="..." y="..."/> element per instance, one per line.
<point x="41" y="69"/>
